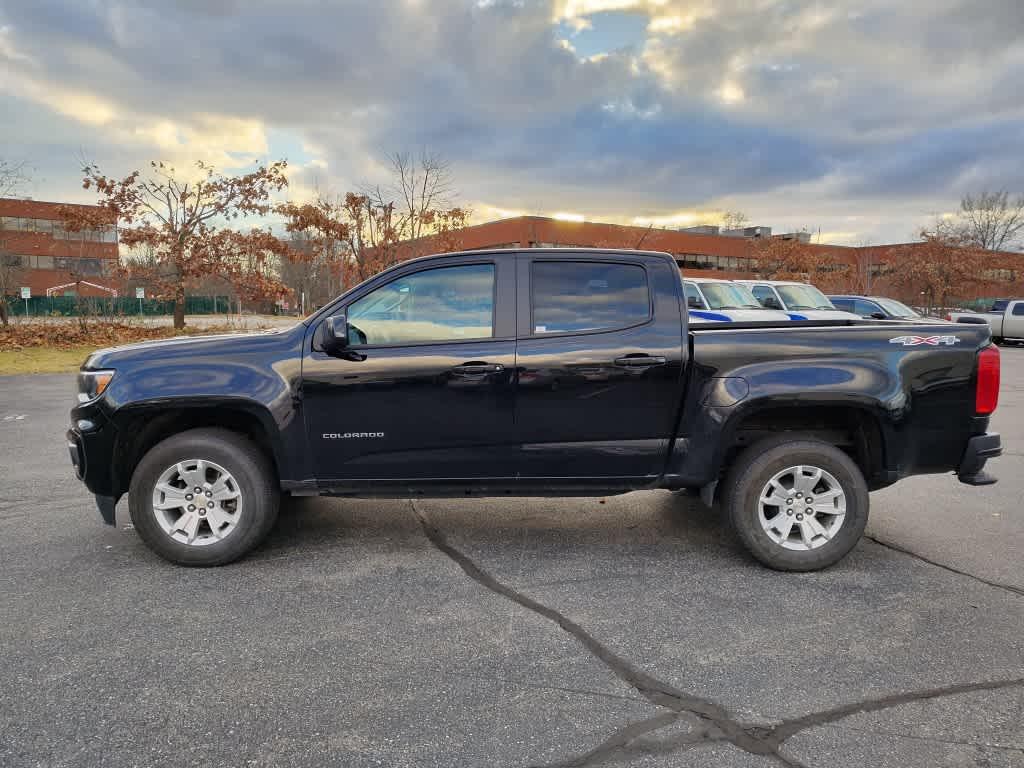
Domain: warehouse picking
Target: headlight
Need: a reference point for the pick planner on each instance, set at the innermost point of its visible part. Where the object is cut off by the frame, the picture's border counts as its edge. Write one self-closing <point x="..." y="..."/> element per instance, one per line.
<point x="92" y="384"/>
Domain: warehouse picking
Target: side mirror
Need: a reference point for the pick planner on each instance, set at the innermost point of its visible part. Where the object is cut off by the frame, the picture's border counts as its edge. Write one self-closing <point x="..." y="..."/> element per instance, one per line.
<point x="877" y="316"/>
<point x="335" y="334"/>
<point x="693" y="302"/>
<point x="772" y="303"/>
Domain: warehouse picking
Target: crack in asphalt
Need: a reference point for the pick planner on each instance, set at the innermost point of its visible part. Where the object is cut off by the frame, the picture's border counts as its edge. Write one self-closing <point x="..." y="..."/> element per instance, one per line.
<point x="934" y="739"/>
<point x="997" y="584"/>
<point x="715" y="724"/>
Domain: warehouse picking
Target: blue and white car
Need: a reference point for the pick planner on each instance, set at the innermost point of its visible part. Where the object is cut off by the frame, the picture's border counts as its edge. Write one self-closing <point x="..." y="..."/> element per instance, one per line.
<point x="799" y="301"/>
<point x="724" y="301"/>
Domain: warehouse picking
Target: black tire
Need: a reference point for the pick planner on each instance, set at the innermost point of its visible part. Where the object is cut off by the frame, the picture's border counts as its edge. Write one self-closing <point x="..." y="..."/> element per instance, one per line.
<point x="249" y="467"/>
<point x="752" y="471"/>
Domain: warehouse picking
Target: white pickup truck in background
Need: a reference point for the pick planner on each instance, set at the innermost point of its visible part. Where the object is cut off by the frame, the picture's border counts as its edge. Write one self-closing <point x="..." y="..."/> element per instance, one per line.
<point x="1005" y="318"/>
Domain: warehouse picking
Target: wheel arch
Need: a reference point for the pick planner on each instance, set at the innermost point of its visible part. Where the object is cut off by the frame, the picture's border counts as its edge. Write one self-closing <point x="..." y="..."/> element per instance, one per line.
<point x="850" y="425"/>
<point x="141" y="427"/>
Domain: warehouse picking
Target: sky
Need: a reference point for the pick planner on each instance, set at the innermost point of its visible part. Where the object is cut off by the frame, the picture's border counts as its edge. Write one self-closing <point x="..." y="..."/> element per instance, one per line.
<point x="860" y="121"/>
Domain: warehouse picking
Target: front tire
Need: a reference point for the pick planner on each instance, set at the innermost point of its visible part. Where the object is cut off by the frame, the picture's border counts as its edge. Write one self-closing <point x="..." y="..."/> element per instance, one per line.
<point x="796" y="504"/>
<point x="203" y="497"/>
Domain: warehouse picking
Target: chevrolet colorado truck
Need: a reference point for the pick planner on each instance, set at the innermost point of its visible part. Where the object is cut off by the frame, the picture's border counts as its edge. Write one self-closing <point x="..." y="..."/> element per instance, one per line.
<point x="532" y="373"/>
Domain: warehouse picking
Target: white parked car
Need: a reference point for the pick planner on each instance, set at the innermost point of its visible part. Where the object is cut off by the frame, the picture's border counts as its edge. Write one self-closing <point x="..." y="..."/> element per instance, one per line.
<point x="799" y="300"/>
<point x="1005" y="318"/>
<point x="724" y="301"/>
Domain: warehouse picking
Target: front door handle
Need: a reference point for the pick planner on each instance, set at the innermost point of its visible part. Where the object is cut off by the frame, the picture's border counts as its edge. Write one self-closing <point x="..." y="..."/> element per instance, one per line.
<point x="639" y="361"/>
<point x="468" y="369"/>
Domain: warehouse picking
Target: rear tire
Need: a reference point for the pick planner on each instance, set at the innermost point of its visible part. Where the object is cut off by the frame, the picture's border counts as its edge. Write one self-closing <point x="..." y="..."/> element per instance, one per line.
<point x="203" y="497"/>
<point x="765" y="500"/>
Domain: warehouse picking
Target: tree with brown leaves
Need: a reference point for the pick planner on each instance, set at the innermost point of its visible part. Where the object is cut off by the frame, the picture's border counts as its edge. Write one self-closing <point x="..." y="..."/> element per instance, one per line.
<point x="319" y="234"/>
<point x="941" y="267"/>
<point x="181" y="221"/>
<point x="777" y="258"/>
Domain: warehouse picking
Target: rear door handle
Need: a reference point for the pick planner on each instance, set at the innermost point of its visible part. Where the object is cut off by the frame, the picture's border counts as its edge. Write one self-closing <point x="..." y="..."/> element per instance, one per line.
<point x="475" y="367"/>
<point x="639" y="361"/>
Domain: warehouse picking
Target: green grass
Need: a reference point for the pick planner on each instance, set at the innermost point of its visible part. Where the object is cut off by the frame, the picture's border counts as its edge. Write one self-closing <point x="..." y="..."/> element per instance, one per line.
<point x="42" y="360"/>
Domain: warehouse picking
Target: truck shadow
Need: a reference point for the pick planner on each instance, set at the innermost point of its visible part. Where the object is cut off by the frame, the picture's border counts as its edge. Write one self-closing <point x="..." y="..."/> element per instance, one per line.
<point x="636" y="520"/>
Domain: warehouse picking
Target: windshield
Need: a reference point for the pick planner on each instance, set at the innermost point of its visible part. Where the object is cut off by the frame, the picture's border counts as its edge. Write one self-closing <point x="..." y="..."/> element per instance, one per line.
<point x="729" y="296"/>
<point x="803" y="297"/>
<point x="896" y="309"/>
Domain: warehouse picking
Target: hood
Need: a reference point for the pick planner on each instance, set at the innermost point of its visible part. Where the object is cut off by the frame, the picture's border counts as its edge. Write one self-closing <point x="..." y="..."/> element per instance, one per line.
<point x="737" y="315"/>
<point x="187" y="346"/>
<point x="821" y="314"/>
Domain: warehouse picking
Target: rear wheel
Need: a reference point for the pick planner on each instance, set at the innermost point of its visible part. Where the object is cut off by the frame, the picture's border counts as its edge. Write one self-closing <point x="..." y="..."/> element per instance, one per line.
<point x="796" y="504"/>
<point x="203" y="497"/>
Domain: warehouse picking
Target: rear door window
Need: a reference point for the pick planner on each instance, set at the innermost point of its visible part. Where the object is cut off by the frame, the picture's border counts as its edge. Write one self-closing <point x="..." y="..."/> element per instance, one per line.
<point x="1018" y="308"/>
<point x="865" y="308"/>
<point x="575" y="297"/>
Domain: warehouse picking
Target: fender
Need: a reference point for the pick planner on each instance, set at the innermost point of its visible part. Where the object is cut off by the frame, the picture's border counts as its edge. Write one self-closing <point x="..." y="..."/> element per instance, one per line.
<point x="712" y="419"/>
<point x="253" y="376"/>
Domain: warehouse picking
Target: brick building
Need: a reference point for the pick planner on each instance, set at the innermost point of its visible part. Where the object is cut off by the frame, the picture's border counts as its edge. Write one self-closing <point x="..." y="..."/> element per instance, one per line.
<point x="729" y="254"/>
<point x="34" y="242"/>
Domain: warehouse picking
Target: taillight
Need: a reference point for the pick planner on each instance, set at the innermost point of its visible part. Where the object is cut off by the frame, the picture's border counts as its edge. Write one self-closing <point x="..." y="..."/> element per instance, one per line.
<point x="986" y="396"/>
<point x="949" y="317"/>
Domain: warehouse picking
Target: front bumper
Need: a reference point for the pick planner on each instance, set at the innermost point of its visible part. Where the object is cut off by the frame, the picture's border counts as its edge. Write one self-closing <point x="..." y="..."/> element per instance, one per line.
<point x="980" y="449"/>
<point x="90" y="443"/>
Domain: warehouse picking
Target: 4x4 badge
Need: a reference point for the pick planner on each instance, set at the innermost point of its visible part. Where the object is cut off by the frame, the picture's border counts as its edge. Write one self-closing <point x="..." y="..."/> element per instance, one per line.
<point x="931" y="341"/>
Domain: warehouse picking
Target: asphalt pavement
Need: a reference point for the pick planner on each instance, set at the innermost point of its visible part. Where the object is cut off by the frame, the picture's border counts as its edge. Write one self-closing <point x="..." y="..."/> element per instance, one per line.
<point x="626" y="631"/>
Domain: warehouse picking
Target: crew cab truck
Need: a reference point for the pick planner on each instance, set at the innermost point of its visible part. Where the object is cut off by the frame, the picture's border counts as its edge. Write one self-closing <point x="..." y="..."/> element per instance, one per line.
<point x="1005" y="318"/>
<point x="532" y="373"/>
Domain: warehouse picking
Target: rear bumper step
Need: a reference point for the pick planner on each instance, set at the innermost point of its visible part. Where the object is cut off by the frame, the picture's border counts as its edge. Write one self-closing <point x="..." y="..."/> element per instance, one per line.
<point x="980" y="449"/>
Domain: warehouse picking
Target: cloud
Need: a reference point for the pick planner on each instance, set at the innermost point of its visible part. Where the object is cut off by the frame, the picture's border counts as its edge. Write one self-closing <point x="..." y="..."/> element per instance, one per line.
<point x="794" y="110"/>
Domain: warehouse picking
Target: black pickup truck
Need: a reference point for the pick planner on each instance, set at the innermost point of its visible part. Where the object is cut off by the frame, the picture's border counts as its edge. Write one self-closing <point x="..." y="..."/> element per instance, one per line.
<point x="532" y="373"/>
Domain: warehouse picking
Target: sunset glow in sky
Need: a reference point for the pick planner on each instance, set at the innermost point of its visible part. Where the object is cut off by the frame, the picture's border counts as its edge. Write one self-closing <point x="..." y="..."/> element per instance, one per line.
<point x="861" y="119"/>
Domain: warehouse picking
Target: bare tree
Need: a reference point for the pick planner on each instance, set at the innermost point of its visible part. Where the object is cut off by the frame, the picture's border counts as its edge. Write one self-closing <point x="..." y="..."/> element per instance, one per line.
<point x="11" y="273"/>
<point x="13" y="175"/>
<point x="734" y="220"/>
<point x="418" y="186"/>
<point x="992" y="220"/>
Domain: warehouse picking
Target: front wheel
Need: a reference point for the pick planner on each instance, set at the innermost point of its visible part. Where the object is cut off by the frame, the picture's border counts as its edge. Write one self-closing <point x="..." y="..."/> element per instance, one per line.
<point x="796" y="504"/>
<point x="203" y="497"/>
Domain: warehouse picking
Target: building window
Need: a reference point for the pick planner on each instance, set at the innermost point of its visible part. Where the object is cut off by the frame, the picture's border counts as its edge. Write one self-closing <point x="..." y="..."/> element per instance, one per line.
<point x="1004" y="275"/>
<point x="55" y="228"/>
<point x="77" y="266"/>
